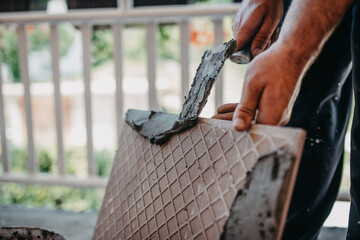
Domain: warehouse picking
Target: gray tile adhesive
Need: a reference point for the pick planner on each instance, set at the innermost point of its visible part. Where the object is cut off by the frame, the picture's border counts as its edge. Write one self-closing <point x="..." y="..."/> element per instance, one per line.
<point x="11" y="233"/>
<point x="158" y="127"/>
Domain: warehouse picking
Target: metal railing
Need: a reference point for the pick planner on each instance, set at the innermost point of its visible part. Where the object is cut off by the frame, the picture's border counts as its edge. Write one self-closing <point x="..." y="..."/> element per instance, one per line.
<point x="117" y="18"/>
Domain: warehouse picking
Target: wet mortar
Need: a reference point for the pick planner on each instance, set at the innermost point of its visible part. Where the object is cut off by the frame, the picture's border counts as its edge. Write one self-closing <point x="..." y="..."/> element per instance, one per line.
<point x="159" y="127"/>
<point x="256" y="210"/>
<point x="28" y="233"/>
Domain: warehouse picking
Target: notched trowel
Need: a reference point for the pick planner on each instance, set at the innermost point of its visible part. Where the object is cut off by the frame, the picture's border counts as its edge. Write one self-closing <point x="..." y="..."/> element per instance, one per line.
<point x="158" y="127"/>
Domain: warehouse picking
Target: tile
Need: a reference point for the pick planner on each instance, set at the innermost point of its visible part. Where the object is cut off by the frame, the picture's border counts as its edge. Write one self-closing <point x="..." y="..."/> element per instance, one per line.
<point x="181" y="217"/>
<point x="187" y="194"/>
<point x="175" y="236"/>
<point x="163" y="232"/>
<point x="196" y="225"/>
<point x="169" y="210"/>
<point x="192" y="209"/>
<point x="185" y="232"/>
<point x="211" y="232"/>
<point x="219" y="208"/>
<point x="172" y="225"/>
<point x="186" y="188"/>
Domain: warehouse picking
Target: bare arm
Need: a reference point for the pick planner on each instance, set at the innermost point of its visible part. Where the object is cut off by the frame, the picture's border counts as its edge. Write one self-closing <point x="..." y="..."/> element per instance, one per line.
<point x="273" y="79"/>
<point x="308" y="25"/>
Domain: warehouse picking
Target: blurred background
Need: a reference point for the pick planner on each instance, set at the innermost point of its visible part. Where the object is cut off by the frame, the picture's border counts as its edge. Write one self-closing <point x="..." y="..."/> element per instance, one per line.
<point x="135" y="87"/>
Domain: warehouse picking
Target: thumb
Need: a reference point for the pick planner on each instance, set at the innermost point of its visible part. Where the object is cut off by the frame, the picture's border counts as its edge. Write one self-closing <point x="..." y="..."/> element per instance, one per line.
<point x="246" y="109"/>
<point x="263" y="37"/>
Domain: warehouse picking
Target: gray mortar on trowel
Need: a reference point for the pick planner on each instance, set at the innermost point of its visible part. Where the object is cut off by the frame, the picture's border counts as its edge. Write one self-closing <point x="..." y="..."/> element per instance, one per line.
<point x="159" y="127"/>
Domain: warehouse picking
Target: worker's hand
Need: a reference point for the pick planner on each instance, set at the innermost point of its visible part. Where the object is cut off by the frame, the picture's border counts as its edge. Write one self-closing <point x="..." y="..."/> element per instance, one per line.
<point x="271" y="85"/>
<point x="257" y="21"/>
<point x="225" y="111"/>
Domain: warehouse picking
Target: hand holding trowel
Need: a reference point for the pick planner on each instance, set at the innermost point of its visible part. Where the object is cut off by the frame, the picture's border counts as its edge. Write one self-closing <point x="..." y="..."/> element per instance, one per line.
<point x="159" y="127"/>
<point x="261" y="31"/>
<point x="243" y="56"/>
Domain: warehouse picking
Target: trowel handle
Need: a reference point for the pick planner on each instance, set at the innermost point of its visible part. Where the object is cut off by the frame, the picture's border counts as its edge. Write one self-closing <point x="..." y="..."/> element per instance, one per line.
<point x="243" y="56"/>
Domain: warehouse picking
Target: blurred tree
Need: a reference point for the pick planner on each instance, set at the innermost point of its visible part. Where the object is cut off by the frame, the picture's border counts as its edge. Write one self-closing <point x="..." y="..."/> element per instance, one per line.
<point x="18" y="157"/>
<point x="103" y="47"/>
<point x="67" y="198"/>
<point x="104" y="159"/>
<point x="38" y="39"/>
<point x="46" y="162"/>
<point x="9" y="51"/>
<point x="168" y="41"/>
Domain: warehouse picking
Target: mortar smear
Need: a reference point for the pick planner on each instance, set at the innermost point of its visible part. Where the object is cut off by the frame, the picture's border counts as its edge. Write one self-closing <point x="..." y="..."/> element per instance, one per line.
<point x="159" y="127"/>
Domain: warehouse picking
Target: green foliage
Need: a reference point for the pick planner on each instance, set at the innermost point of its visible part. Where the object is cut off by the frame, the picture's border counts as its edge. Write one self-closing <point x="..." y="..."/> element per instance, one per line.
<point x="103" y="46"/>
<point x="18" y="156"/>
<point x="168" y="43"/>
<point x="38" y="40"/>
<point x="66" y="37"/>
<point x="104" y="161"/>
<point x="76" y="161"/>
<point x="102" y="43"/>
<point x="67" y="198"/>
<point x="46" y="162"/>
<point x="9" y="51"/>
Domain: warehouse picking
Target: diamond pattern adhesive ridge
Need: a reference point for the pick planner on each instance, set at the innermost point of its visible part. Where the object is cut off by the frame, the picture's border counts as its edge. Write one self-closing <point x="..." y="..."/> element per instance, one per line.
<point x="185" y="188"/>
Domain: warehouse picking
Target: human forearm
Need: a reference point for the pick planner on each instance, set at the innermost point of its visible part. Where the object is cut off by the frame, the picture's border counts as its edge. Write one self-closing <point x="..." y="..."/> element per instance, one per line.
<point x="307" y="26"/>
<point x="273" y="78"/>
<point x="272" y="81"/>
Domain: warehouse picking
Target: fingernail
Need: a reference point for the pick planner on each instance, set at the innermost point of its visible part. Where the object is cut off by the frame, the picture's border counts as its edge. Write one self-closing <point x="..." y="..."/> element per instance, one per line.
<point x="256" y="52"/>
<point x="239" y="124"/>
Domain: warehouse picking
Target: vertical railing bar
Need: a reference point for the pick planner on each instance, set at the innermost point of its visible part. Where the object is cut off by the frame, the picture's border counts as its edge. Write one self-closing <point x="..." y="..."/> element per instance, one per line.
<point x="55" y="57"/>
<point x="119" y="4"/>
<point x="184" y="57"/>
<point x="117" y="29"/>
<point x="24" y="73"/>
<point x="218" y="33"/>
<point x="151" y="64"/>
<point x="4" y="150"/>
<point x="124" y="5"/>
<point x="130" y="4"/>
<point x="86" y="35"/>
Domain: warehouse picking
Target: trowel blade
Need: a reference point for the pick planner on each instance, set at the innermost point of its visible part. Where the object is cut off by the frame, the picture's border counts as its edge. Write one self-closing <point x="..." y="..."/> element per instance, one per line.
<point x="206" y="74"/>
<point x="159" y="127"/>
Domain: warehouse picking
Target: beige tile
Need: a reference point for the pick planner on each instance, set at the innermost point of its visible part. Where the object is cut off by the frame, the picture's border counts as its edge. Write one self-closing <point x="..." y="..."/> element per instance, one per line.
<point x="186" y="187"/>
